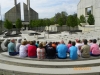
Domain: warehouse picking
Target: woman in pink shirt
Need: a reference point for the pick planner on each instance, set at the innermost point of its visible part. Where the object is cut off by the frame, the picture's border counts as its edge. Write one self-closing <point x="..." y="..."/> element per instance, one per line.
<point x="94" y="50"/>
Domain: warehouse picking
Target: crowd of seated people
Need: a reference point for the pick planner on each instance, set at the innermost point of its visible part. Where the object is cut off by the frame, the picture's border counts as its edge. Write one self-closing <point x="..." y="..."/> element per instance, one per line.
<point x="52" y="50"/>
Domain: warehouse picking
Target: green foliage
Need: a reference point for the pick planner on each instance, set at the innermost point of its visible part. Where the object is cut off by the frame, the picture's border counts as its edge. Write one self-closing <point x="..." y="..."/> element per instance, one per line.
<point x="60" y="21"/>
<point x="8" y="24"/>
<point x="47" y="22"/>
<point x="78" y="20"/>
<point x="18" y="23"/>
<point x="72" y="21"/>
<point x="62" y="15"/>
<point x="91" y="20"/>
<point x="52" y="20"/>
<point x="82" y="19"/>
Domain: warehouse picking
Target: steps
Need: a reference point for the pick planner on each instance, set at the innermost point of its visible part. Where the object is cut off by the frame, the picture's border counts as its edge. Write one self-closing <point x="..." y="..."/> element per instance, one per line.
<point x="17" y="66"/>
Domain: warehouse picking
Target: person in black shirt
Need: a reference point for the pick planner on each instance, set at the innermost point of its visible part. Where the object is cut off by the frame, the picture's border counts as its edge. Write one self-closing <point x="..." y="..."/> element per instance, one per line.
<point x="50" y="51"/>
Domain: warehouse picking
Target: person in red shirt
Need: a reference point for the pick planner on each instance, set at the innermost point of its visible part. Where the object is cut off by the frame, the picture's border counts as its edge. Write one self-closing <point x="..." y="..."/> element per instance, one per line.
<point x="32" y="50"/>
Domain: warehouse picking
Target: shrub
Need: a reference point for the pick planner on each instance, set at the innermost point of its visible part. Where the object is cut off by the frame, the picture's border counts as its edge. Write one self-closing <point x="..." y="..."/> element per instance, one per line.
<point x="91" y="20"/>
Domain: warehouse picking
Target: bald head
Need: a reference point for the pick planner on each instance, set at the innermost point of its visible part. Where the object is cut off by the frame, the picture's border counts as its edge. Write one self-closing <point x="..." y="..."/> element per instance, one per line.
<point x="62" y="42"/>
<point x="12" y="40"/>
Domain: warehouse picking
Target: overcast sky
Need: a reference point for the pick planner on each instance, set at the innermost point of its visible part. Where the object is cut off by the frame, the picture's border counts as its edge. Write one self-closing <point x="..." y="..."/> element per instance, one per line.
<point x="45" y="8"/>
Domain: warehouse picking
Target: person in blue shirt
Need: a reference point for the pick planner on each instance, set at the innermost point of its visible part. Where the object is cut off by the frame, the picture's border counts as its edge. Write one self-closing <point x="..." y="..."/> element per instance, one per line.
<point x="62" y="50"/>
<point x="73" y="51"/>
<point x="12" y="48"/>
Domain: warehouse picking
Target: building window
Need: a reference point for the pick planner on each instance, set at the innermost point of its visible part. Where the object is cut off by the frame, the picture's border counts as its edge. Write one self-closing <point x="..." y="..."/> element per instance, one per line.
<point x="88" y="10"/>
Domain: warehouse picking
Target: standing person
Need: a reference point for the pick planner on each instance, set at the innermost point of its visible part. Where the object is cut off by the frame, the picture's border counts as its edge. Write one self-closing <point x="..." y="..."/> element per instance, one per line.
<point x="32" y="50"/>
<point x="23" y="49"/>
<point x="62" y="50"/>
<point x="73" y="51"/>
<point x="12" y="48"/>
<point x="85" y="50"/>
<point x="50" y="51"/>
<point x="41" y="52"/>
<point x="95" y="49"/>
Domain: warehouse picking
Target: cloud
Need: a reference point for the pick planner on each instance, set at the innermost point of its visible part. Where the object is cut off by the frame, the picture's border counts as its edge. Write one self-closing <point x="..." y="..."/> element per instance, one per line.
<point x="45" y="8"/>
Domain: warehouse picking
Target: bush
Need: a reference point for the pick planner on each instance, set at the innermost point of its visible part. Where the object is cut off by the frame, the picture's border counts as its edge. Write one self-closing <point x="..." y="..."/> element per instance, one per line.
<point x="8" y="24"/>
<point x="82" y="19"/>
<point x="91" y="20"/>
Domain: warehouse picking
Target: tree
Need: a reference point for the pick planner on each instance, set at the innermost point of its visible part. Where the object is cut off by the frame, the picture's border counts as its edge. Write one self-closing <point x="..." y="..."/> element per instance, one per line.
<point x="52" y="20"/>
<point x="18" y="26"/>
<point x="8" y="25"/>
<point x="82" y="19"/>
<point x="91" y="20"/>
<point x="57" y="16"/>
<point x="72" y="21"/>
<point x="60" y="22"/>
<point x="30" y="25"/>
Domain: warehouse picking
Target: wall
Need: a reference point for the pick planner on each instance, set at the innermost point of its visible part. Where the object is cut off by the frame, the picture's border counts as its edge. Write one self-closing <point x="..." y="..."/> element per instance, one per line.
<point x="14" y="13"/>
<point x="96" y="10"/>
<point x="33" y="14"/>
<point x="87" y="28"/>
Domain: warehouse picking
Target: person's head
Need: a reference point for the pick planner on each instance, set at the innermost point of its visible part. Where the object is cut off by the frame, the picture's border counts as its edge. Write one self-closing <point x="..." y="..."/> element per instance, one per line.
<point x="23" y="43"/>
<point x="94" y="41"/>
<point x="69" y="42"/>
<point x="34" y="42"/>
<point x="73" y="43"/>
<point x="40" y="45"/>
<point x="44" y="43"/>
<point x="12" y="40"/>
<point x="37" y="42"/>
<point x="53" y="43"/>
<point x="28" y="42"/>
<point x="62" y="42"/>
<point x="78" y="41"/>
<point x="19" y="40"/>
<point x="50" y="43"/>
<point x="85" y="42"/>
<point x="31" y="42"/>
<point x="90" y="41"/>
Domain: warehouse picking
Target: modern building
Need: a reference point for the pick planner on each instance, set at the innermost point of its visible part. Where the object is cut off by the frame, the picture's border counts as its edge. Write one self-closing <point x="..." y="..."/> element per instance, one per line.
<point x="90" y="6"/>
<point x="15" y="13"/>
<point x="33" y="14"/>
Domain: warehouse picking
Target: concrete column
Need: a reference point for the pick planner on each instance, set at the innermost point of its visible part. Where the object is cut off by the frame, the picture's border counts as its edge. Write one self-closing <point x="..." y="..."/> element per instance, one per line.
<point x="28" y="4"/>
<point x="15" y="1"/>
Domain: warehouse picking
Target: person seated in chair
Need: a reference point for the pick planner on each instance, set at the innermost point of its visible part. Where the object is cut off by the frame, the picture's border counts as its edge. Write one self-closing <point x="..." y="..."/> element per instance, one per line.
<point x="12" y="48"/>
